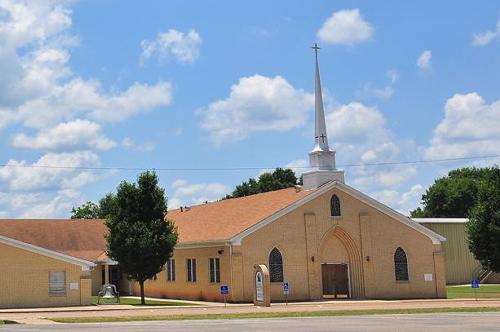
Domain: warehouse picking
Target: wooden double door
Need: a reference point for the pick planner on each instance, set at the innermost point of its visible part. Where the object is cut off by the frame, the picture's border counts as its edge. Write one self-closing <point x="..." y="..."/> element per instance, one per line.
<point x="335" y="280"/>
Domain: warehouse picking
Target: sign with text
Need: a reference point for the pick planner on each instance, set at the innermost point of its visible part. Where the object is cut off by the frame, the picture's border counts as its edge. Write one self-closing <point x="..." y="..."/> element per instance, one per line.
<point x="286" y="288"/>
<point x="259" y="287"/>
<point x="224" y="289"/>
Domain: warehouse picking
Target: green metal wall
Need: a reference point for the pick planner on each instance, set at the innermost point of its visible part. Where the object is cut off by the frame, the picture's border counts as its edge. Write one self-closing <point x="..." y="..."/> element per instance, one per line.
<point x="460" y="263"/>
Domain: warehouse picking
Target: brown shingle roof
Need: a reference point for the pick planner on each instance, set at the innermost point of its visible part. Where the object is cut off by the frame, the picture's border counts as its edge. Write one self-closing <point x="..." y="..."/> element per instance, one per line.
<point x="224" y="219"/>
<point x="78" y="238"/>
<point x="217" y="221"/>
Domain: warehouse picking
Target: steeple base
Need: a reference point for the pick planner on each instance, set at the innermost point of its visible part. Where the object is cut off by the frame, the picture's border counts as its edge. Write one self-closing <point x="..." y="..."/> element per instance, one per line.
<point x="317" y="177"/>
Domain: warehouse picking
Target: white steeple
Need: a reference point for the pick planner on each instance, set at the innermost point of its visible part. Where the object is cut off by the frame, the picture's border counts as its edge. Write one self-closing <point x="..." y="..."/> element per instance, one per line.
<point x="321" y="139"/>
<point x="321" y="158"/>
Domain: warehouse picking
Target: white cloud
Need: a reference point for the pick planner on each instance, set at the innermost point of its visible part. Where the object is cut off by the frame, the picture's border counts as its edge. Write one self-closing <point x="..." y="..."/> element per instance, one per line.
<point x="129" y="144"/>
<point x="403" y="202"/>
<point x="39" y="90"/>
<point x="22" y="176"/>
<point x="56" y="204"/>
<point x="186" y="193"/>
<point x="424" y="60"/>
<point x="38" y="87"/>
<point x="369" y="91"/>
<point x="83" y="98"/>
<point x="384" y="93"/>
<point x="257" y="103"/>
<point x="469" y="128"/>
<point x="345" y="27"/>
<point x="483" y="39"/>
<point x="45" y="206"/>
<point x="185" y="47"/>
<point x="360" y="135"/>
<point x="75" y="134"/>
<point x="385" y="177"/>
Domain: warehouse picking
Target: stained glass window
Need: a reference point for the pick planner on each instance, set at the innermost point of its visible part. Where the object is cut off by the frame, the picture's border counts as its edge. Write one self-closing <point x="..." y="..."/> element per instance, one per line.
<point x="276" y="266"/>
<point x="335" y="206"/>
<point x="400" y="265"/>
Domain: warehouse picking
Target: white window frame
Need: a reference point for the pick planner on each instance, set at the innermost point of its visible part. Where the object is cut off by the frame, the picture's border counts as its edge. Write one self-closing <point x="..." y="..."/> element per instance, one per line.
<point x="191" y="269"/>
<point x="170" y="269"/>
<point x="57" y="287"/>
<point x="214" y="275"/>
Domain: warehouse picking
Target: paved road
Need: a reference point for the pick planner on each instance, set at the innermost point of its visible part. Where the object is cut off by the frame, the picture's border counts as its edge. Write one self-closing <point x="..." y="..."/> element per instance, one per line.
<point x="406" y="323"/>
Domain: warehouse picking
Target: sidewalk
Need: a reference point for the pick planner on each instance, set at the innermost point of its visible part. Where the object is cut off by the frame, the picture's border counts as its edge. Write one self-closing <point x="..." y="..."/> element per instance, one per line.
<point x="39" y="315"/>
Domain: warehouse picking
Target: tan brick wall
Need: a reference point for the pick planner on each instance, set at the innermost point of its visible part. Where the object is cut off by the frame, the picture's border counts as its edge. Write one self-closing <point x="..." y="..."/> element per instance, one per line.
<point x="24" y="281"/>
<point x="307" y="237"/>
<point x="202" y="289"/>
<point x="361" y="231"/>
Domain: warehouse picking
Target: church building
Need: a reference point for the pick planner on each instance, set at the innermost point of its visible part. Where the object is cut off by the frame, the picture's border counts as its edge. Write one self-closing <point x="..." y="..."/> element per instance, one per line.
<point x="325" y="239"/>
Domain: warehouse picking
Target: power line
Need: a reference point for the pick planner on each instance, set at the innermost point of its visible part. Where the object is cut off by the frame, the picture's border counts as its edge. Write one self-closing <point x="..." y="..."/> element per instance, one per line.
<point x="203" y="169"/>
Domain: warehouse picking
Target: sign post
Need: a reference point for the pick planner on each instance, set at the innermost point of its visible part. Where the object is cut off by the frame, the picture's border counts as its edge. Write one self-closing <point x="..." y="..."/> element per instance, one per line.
<point x="224" y="290"/>
<point x="475" y="285"/>
<point x="286" y="291"/>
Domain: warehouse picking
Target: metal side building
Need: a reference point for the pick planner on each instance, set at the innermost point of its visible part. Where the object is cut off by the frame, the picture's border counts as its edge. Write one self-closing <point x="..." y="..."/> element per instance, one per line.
<point x="460" y="264"/>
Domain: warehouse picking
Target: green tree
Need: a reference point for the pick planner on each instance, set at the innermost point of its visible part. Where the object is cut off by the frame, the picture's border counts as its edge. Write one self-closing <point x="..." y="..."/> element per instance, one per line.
<point x="140" y="239"/>
<point x="91" y="210"/>
<point x="454" y="195"/>
<point x="107" y="206"/>
<point x="88" y="210"/>
<point x="483" y="227"/>
<point x="279" y="179"/>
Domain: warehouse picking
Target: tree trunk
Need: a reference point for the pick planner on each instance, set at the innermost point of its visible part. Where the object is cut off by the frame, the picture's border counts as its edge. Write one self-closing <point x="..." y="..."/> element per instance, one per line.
<point x="141" y="283"/>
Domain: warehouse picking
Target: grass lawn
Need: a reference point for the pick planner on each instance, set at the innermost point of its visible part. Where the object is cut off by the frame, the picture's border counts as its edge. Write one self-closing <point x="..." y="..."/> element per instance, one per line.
<point x="484" y="291"/>
<point x="324" y="313"/>
<point x="133" y="301"/>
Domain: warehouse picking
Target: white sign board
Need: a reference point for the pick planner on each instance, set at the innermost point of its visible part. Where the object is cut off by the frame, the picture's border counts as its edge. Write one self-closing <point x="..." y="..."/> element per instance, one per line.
<point x="259" y="287"/>
<point x="73" y="285"/>
<point x="428" y="276"/>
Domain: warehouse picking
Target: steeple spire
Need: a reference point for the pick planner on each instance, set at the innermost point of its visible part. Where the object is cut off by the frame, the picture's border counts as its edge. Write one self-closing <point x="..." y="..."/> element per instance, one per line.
<point x="320" y="137"/>
<point x="321" y="158"/>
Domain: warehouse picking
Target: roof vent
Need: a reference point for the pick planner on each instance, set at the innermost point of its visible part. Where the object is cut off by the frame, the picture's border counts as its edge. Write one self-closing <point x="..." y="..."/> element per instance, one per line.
<point x="182" y="210"/>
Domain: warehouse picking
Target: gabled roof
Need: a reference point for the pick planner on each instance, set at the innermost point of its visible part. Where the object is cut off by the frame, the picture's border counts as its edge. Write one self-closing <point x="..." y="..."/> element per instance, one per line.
<point x="222" y="220"/>
<point x="233" y="219"/>
<point x="83" y="239"/>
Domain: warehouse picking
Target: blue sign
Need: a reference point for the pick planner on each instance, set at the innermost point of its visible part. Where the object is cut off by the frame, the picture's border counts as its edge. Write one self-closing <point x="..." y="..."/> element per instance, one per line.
<point x="286" y="289"/>
<point x="475" y="283"/>
<point x="224" y="289"/>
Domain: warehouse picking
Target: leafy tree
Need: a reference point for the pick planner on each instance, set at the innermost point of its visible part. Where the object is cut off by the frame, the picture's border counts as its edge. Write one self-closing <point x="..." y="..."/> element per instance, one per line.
<point x="107" y="206"/>
<point x="140" y="238"/>
<point x="483" y="226"/>
<point x="279" y="179"/>
<point x="91" y="210"/>
<point x="454" y="195"/>
<point x="88" y="210"/>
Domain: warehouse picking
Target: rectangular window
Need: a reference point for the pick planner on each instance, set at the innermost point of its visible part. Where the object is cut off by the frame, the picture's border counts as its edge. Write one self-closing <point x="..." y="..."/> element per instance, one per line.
<point x="214" y="269"/>
<point x="57" y="282"/>
<point x="171" y="269"/>
<point x="191" y="269"/>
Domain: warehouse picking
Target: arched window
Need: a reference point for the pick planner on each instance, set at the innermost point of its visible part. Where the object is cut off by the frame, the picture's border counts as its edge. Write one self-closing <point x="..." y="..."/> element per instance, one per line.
<point x="276" y="266"/>
<point x="400" y="265"/>
<point x="335" y="206"/>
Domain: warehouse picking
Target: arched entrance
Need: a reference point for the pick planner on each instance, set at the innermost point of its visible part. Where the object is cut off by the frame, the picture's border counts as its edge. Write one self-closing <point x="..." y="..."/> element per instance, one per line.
<point x="341" y="269"/>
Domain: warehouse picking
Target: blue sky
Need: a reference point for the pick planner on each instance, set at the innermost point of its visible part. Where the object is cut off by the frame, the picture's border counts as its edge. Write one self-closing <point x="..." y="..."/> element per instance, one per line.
<point x="222" y="84"/>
